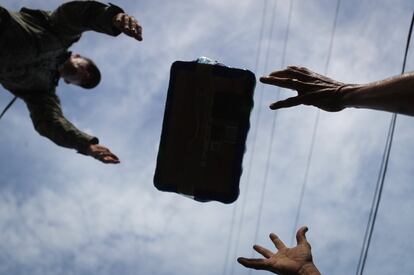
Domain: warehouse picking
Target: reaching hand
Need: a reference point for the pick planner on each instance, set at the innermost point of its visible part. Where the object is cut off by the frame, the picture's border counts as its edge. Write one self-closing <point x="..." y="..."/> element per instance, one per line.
<point x="287" y="261"/>
<point x="313" y="89"/>
<point x="128" y="25"/>
<point x="102" y="153"/>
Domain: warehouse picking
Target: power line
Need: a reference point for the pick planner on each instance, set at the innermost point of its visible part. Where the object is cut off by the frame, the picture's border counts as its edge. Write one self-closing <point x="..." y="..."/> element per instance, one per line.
<point x="270" y="149"/>
<point x="381" y="176"/>
<point x="229" y="239"/>
<point x="315" y="128"/>
<point x="8" y="106"/>
<point x="249" y="165"/>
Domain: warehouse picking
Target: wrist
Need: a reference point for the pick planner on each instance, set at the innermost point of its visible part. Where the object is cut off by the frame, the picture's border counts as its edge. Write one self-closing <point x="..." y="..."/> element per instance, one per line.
<point x="85" y="146"/>
<point x="350" y="95"/>
<point x="90" y="150"/>
<point x="309" y="269"/>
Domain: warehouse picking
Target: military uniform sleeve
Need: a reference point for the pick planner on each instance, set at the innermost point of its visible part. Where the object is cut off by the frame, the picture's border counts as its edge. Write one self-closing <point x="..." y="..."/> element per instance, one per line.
<point x="48" y="120"/>
<point x="75" y="17"/>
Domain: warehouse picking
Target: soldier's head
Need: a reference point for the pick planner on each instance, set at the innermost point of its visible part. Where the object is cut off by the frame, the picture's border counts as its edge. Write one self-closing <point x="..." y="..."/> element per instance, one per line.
<point x="81" y="71"/>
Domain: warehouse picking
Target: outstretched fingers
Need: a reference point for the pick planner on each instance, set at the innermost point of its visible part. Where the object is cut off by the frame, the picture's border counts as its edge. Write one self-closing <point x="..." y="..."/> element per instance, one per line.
<point x="286" y="82"/>
<point x="125" y="21"/>
<point x="104" y="155"/>
<point x="259" y="264"/>
<point x="302" y="86"/>
<point x="128" y="25"/>
<point x="301" y="73"/>
<point x="301" y="236"/>
<point x="290" y="102"/>
<point x="109" y="158"/>
<point x="136" y="29"/>
<point x="263" y="251"/>
<point x="277" y="242"/>
<point x="307" y="99"/>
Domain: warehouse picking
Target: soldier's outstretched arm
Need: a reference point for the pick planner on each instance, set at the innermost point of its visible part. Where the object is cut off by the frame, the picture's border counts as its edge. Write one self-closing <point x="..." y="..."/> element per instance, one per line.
<point x="49" y="121"/>
<point x="76" y="17"/>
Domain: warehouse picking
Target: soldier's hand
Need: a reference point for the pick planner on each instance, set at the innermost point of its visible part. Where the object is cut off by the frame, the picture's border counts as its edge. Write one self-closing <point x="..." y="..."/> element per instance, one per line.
<point x="102" y="153"/>
<point x="313" y="89"/>
<point x="128" y="25"/>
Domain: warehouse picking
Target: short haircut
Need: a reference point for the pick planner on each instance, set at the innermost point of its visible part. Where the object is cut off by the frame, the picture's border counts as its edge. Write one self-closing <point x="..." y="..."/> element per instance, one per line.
<point x="94" y="76"/>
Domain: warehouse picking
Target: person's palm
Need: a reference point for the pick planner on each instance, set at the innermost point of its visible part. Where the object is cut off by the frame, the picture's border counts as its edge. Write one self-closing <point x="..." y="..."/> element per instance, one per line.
<point x="287" y="261"/>
<point x="290" y="260"/>
<point x="102" y="154"/>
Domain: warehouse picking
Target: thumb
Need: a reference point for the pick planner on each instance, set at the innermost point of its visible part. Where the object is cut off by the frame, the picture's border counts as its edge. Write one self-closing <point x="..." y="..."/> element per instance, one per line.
<point x="300" y="235"/>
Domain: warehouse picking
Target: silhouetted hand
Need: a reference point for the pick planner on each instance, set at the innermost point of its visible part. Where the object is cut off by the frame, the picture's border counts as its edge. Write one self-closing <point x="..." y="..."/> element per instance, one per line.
<point x="128" y="25"/>
<point x="313" y="89"/>
<point x="287" y="261"/>
<point x="102" y="153"/>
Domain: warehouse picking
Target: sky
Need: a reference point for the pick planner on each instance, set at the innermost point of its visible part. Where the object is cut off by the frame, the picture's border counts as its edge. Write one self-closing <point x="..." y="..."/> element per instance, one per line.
<point x="65" y="213"/>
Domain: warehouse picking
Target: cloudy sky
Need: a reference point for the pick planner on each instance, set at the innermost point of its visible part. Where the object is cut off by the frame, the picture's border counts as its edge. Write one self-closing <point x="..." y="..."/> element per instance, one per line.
<point x="64" y="213"/>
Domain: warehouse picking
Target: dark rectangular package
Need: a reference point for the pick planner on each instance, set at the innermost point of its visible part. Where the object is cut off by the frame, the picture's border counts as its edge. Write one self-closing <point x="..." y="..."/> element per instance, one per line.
<point x="204" y="131"/>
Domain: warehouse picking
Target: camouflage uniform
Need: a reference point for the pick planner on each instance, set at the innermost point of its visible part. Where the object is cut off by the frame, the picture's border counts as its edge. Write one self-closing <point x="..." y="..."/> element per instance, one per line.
<point x="33" y="43"/>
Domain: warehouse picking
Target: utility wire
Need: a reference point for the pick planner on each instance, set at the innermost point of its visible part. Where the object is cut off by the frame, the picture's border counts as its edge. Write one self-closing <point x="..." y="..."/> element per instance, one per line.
<point x="8" y="106"/>
<point x="249" y="165"/>
<point x="315" y="129"/>
<point x="270" y="149"/>
<point x="229" y="240"/>
<point x="381" y="176"/>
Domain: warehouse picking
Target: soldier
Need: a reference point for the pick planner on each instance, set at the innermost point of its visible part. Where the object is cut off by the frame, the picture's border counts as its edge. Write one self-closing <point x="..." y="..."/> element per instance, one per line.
<point x="34" y="56"/>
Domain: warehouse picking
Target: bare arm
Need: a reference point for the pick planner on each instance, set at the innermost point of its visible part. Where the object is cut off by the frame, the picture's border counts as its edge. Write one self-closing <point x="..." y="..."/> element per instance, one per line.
<point x="394" y="94"/>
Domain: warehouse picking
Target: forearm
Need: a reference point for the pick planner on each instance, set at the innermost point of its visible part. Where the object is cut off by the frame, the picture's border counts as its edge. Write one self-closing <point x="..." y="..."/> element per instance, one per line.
<point x="394" y="94"/>
<point x="309" y="269"/>
<point x="76" y="17"/>
<point x="49" y="121"/>
<point x="64" y="134"/>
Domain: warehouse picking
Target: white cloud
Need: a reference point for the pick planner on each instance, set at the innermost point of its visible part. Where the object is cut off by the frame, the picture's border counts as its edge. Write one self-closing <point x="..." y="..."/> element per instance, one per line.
<point x="63" y="213"/>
